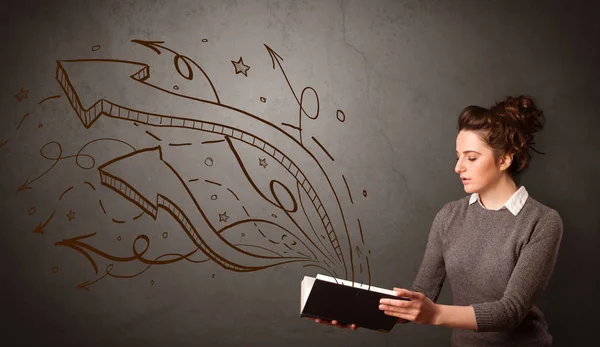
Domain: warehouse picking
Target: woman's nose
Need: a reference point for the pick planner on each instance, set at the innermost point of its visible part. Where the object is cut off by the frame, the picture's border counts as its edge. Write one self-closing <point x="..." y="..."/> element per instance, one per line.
<point x="458" y="168"/>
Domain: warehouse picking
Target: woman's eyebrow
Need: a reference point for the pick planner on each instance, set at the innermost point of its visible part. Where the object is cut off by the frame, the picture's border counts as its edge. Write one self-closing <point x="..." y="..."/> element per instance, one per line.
<point x="469" y="151"/>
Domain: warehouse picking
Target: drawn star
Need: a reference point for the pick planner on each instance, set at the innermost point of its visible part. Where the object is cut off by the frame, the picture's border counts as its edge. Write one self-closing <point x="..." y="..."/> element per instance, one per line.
<point x="71" y="215"/>
<point x="240" y="67"/>
<point x="22" y="94"/>
<point x="223" y="217"/>
<point x="262" y="162"/>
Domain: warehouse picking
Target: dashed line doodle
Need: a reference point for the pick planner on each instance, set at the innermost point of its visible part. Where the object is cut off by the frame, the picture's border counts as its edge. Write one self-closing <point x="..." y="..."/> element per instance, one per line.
<point x="203" y="178"/>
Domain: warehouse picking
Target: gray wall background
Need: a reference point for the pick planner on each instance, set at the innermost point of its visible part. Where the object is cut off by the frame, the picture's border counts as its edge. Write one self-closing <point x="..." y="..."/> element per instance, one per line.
<point x="400" y="70"/>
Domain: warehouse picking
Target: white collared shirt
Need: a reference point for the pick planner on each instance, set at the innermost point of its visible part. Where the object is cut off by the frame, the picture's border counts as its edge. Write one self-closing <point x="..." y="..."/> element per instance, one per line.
<point x="514" y="204"/>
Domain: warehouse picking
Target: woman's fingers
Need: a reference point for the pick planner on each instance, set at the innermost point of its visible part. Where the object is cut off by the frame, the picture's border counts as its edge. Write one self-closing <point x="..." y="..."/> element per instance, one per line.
<point x="336" y="323"/>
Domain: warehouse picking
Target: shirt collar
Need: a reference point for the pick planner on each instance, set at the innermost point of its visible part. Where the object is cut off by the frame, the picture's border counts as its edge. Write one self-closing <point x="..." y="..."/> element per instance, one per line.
<point x="514" y="204"/>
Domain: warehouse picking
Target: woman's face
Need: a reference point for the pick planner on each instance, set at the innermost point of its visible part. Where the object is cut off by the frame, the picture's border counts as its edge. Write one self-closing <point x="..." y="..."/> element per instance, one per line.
<point x="476" y="165"/>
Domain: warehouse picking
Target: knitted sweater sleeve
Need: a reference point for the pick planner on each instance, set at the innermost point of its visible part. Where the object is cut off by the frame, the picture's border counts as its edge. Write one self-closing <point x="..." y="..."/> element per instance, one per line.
<point x="528" y="280"/>
<point x="432" y="272"/>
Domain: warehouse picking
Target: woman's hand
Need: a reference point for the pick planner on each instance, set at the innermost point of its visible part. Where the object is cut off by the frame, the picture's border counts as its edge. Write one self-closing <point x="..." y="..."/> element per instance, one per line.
<point x="420" y="309"/>
<point x="335" y="323"/>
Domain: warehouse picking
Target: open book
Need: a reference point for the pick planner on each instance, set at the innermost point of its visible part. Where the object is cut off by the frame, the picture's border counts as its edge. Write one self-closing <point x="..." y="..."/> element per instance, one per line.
<point x="330" y="298"/>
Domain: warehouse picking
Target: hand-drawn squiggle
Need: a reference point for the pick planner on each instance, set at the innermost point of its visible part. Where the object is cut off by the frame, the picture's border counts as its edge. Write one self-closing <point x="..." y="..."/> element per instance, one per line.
<point x="155" y="261"/>
<point x="225" y="120"/>
<point x="59" y="157"/>
<point x="206" y="239"/>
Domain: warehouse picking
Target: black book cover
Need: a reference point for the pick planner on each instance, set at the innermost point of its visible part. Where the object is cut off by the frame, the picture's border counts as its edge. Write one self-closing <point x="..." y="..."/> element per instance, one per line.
<point x="347" y="305"/>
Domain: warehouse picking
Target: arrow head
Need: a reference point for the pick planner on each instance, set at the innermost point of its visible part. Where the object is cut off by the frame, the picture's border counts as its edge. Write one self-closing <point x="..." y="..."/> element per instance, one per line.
<point x="83" y="285"/>
<point x="39" y="229"/>
<point x="274" y="56"/>
<point x="88" y="83"/>
<point x="150" y="44"/>
<point x="24" y="186"/>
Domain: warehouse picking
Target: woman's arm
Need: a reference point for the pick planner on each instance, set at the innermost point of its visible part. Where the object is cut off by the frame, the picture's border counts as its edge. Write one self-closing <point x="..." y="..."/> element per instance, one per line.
<point x="432" y="272"/>
<point x="420" y="309"/>
<point x="527" y="282"/>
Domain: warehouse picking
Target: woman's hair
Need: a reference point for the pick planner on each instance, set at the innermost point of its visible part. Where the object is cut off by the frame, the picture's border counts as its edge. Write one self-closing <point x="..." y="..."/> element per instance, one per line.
<point x="507" y="127"/>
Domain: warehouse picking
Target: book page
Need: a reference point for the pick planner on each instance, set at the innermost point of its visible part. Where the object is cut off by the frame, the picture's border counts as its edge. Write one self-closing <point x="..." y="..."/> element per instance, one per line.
<point x="355" y="284"/>
<point x="305" y="288"/>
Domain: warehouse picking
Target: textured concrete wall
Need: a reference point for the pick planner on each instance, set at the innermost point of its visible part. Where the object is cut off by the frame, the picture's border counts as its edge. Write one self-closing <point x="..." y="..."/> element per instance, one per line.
<point x="172" y="169"/>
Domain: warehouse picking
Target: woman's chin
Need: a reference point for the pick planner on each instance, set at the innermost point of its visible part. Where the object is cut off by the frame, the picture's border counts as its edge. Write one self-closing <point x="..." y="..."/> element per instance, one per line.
<point x="468" y="189"/>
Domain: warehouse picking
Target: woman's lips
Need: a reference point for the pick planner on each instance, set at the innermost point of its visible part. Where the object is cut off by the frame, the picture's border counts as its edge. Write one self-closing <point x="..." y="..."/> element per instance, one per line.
<point x="466" y="180"/>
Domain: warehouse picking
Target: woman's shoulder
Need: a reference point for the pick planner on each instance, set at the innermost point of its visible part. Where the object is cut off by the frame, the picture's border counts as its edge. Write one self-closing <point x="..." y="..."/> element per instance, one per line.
<point x="540" y="211"/>
<point x="454" y="206"/>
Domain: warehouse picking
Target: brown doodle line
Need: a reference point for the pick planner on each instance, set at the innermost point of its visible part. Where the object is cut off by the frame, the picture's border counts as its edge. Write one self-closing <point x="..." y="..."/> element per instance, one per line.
<point x="61" y="75"/>
<point x="101" y="106"/>
<point x="138" y="216"/>
<point x="151" y="134"/>
<point x="276" y="58"/>
<point x="263" y="248"/>
<point x="59" y="157"/>
<point x="153" y="44"/>
<point x="303" y="254"/>
<point x="102" y="206"/>
<point x="50" y="97"/>
<point x="247" y="214"/>
<point x="3" y="143"/>
<point x="348" y="188"/>
<point x="65" y="192"/>
<point x="88" y="283"/>
<point x="301" y="109"/>
<point x="311" y="225"/>
<point x="118" y="221"/>
<point x="361" y="232"/>
<point x="231" y="191"/>
<point x="128" y="192"/>
<point x="291" y="126"/>
<point x="181" y="257"/>
<point x="320" y="267"/>
<point x="212" y="141"/>
<point x="81" y="247"/>
<point x="323" y="148"/>
<point x="90" y="184"/>
<point x="22" y="119"/>
<point x="180" y="144"/>
<point x="266" y="222"/>
<point x="218" y="184"/>
<point x="277" y="202"/>
<point x="136" y="124"/>
<point x="40" y="228"/>
<point x="194" y="180"/>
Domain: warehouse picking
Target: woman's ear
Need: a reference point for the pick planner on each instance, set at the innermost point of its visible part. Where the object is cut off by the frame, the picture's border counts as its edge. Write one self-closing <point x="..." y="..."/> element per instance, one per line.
<point x="505" y="161"/>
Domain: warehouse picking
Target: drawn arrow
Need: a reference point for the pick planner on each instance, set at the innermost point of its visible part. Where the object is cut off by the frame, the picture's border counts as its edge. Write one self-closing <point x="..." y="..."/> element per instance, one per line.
<point x="156" y="106"/>
<point x="26" y="184"/>
<point x="88" y="283"/>
<point x="40" y="228"/>
<point x="123" y="176"/>
<point x="276" y="58"/>
<point x="74" y="243"/>
<point x="155" y="45"/>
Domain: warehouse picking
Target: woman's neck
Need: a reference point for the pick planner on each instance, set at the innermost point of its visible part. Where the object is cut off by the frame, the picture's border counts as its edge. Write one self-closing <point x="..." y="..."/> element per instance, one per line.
<point x="494" y="197"/>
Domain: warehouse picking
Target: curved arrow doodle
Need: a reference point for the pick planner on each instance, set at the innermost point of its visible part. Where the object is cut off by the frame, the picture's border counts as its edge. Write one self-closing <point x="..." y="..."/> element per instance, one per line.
<point x="159" y="107"/>
<point x="117" y="175"/>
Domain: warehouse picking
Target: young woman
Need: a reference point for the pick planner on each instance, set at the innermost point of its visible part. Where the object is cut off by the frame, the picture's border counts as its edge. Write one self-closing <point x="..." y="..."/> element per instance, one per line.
<point x="497" y="246"/>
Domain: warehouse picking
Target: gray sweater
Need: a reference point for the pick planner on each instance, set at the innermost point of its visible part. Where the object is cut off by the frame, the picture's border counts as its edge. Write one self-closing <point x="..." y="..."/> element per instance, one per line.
<point x="496" y="262"/>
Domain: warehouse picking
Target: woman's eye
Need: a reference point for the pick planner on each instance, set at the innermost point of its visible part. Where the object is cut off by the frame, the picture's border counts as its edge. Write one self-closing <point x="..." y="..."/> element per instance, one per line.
<point x="472" y="159"/>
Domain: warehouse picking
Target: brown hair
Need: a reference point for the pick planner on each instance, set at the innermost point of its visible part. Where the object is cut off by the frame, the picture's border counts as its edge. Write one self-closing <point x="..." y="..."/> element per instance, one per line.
<point x="507" y="127"/>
